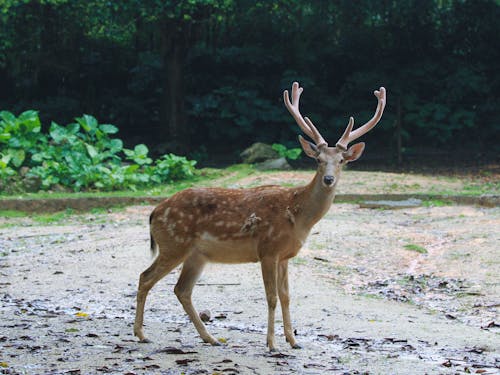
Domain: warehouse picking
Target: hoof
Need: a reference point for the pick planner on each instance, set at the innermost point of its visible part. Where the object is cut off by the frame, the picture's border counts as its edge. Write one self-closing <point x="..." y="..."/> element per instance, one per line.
<point x="296" y="346"/>
<point x="145" y="341"/>
<point x="216" y="343"/>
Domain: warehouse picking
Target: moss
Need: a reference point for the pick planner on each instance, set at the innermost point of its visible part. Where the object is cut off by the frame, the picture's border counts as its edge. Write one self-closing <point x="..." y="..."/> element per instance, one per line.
<point x="417" y="248"/>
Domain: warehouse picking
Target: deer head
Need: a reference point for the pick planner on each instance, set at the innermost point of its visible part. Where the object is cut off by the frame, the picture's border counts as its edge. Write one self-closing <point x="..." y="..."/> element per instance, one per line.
<point x="331" y="159"/>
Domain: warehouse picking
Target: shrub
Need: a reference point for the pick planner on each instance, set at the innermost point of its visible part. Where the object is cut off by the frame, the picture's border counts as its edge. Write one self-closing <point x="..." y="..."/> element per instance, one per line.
<point x="81" y="155"/>
<point x="289" y="153"/>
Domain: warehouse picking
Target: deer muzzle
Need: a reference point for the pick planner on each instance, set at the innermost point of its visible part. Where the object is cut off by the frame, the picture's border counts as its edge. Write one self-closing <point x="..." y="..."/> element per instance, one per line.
<point x="328" y="180"/>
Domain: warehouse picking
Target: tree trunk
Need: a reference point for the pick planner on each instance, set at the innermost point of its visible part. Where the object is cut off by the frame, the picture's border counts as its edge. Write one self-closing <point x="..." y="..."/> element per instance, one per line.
<point x="172" y="112"/>
<point x="399" y="133"/>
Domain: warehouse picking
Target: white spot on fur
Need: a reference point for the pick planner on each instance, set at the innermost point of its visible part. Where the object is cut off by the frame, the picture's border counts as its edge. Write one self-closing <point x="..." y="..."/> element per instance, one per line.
<point x="164" y="218"/>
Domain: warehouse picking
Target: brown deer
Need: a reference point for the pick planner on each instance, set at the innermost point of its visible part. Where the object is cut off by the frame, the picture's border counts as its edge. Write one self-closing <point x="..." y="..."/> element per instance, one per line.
<point x="266" y="224"/>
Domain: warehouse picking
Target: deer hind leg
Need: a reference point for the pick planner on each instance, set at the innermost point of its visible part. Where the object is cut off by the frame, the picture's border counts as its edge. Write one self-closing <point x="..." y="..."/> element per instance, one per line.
<point x="191" y="271"/>
<point x="162" y="265"/>
<point x="285" y="302"/>
<point x="269" y="274"/>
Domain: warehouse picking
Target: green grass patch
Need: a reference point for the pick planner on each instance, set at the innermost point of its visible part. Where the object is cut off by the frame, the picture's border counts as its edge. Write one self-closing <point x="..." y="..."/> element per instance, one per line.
<point x="413" y="247"/>
<point x="54" y="218"/>
<point x="436" y="203"/>
<point x="12" y="214"/>
<point x="370" y="296"/>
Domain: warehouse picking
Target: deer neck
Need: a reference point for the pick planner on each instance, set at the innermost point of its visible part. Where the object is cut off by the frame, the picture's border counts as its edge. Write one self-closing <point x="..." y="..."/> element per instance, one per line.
<point x="316" y="202"/>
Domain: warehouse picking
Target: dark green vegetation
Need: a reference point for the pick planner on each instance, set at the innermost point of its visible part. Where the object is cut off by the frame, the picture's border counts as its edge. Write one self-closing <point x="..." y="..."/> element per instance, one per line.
<point x="80" y="155"/>
<point x="206" y="76"/>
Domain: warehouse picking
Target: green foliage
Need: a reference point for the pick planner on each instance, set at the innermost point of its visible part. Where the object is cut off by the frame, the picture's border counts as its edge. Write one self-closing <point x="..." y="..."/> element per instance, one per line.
<point x="82" y="155"/>
<point x="289" y="153"/>
<point x="214" y="69"/>
<point x="413" y="247"/>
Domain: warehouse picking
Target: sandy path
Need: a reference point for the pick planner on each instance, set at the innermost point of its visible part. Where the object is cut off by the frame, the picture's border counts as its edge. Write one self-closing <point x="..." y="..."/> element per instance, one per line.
<point x="68" y="295"/>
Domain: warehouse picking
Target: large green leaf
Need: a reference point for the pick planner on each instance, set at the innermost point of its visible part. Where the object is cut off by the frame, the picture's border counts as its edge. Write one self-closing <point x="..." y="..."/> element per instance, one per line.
<point x="92" y="151"/>
<point x="18" y="157"/>
<point x="88" y="123"/>
<point x="7" y="117"/>
<point x="4" y="137"/>
<point x="108" y="129"/>
<point x="57" y="132"/>
<point x="30" y="120"/>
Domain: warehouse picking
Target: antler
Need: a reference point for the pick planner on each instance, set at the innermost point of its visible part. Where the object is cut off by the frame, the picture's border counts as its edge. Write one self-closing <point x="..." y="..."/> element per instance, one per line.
<point x="350" y="135"/>
<point x="305" y="124"/>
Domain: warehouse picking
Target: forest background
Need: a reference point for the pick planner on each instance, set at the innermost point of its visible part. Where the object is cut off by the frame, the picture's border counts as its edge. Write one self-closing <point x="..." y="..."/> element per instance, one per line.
<point x="204" y="78"/>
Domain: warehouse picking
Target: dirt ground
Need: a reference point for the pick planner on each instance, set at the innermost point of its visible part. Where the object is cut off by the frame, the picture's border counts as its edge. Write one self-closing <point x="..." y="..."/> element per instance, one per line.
<point x="410" y="291"/>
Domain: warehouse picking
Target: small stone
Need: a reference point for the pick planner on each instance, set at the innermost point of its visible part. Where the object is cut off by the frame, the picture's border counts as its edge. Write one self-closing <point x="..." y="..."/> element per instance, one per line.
<point x="205" y="315"/>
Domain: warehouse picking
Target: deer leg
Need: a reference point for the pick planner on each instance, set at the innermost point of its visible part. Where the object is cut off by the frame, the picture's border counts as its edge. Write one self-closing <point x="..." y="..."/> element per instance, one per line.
<point x="285" y="302"/>
<point x="159" y="269"/>
<point x="191" y="271"/>
<point x="269" y="274"/>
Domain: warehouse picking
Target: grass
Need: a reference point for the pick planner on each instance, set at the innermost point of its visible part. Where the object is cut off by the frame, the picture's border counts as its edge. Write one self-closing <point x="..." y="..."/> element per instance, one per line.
<point x="9" y="214"/>
<point x="413" y="247"/>
<point x="54" y="218"/>
<point x="436" y="203"/>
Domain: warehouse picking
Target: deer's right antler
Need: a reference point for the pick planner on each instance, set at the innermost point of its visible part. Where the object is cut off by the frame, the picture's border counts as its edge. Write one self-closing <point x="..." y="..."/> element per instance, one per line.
<point x="305" y="124"/>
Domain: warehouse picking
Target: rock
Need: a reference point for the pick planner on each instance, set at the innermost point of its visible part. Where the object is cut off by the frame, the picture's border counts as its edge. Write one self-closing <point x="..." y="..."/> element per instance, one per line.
<point x="31" y="183"/>
<point x="258" y="152"/>
<point x="205" y="315"/>
<point x="392" y="205"/>
<point x="279" y="164"/>
<point x="24" y="171"/>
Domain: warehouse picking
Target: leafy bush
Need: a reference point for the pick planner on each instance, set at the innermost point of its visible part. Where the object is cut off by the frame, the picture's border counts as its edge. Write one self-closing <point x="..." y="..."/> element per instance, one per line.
<point x="289" y="153"/>
<point x="80" y="155"/>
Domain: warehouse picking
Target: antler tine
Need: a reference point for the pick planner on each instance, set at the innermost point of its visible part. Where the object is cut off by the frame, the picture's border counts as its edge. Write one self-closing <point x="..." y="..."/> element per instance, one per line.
<point x="350" y="135"/>
<point x="305" y="124"/>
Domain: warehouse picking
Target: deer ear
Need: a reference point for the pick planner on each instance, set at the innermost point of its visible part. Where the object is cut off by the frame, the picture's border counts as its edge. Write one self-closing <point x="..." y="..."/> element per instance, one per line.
<point x="309" y="148"/>
<point x="354" y="152"/>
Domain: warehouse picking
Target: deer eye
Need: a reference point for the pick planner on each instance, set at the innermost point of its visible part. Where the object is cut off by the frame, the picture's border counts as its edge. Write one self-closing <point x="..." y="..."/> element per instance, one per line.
<point x="341" y="161"/>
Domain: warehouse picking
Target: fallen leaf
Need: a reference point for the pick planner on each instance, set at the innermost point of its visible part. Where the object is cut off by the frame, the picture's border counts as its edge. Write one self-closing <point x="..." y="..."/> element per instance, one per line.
<point x="172" y="350"/>
<point x="222" y="340"/>
<point x="81" y="314"/>
<point x="184" y="362"/>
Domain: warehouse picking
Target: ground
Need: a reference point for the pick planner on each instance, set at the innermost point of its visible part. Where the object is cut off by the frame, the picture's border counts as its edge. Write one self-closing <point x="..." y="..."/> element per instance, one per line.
<point x="409" y="291"/>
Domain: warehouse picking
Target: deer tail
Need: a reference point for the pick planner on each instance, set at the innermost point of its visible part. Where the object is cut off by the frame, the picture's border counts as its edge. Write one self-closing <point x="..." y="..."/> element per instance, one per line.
<point x="154" y="246"/>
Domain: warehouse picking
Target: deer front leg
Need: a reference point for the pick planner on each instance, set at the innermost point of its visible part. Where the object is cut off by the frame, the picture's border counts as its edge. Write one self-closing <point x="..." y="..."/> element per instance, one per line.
<point x="269" y="274"/>
<point x="191" y="271"/>
<point x="285" y="302"/>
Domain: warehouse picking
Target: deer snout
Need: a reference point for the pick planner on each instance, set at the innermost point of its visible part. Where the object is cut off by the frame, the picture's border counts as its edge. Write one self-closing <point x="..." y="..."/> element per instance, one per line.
<point x="328" y="180"/>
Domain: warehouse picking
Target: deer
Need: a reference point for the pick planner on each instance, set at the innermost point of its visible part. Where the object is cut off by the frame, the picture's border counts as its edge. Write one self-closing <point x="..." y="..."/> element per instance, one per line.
<point x="267" y="224"/>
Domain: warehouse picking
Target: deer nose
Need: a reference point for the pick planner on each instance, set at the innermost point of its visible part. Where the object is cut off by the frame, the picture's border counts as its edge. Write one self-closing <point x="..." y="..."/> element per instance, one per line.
<point x="328" y="180"/>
